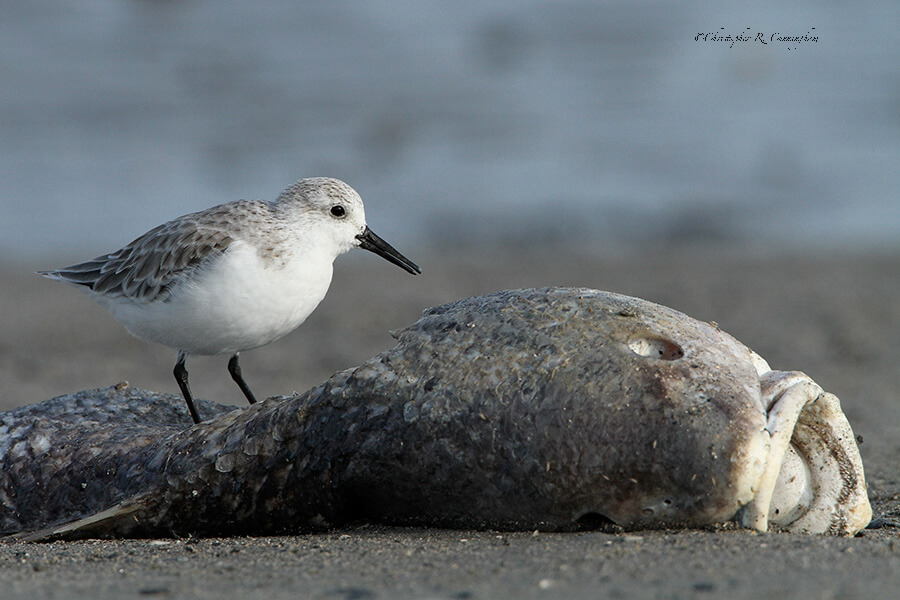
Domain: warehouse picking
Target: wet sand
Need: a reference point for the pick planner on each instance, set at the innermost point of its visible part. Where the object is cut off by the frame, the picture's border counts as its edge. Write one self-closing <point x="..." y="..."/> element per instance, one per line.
<point x="837" y="318"/>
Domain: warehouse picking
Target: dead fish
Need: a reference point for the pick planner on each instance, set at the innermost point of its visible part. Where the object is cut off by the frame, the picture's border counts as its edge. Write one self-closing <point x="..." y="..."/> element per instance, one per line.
<point x="547" y="409"/>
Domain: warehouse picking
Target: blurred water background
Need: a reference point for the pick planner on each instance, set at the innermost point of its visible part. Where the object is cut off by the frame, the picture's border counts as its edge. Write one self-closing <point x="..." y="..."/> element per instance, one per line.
<point x="599" y="124"/>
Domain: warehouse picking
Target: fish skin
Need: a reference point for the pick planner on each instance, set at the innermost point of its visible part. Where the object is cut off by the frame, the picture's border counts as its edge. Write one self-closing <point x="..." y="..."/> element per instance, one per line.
<point x="523" y="409"/>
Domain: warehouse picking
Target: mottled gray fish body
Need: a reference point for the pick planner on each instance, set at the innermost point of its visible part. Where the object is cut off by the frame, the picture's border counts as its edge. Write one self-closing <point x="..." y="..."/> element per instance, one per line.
<point x="532" y="409"/>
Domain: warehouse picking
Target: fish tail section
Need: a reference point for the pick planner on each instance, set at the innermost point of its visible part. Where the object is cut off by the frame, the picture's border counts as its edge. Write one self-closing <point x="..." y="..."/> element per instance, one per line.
<point x="113" y="521"/>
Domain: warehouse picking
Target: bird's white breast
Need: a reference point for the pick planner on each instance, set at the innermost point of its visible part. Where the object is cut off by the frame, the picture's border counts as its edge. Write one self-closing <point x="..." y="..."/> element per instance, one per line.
<point x="239" y="301"/>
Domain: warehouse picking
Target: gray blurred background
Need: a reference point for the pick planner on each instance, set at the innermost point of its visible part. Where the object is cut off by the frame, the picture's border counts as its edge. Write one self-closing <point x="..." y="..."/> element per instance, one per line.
<point x="600" y="124"/>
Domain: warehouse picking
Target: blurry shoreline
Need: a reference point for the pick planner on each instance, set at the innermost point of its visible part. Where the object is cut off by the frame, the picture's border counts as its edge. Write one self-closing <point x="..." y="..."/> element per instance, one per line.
<point x="510" y="120"/>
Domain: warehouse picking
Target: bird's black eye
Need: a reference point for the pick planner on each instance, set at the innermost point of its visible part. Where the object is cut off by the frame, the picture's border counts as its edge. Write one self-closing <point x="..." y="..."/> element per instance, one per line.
<point x="338" y="211"/>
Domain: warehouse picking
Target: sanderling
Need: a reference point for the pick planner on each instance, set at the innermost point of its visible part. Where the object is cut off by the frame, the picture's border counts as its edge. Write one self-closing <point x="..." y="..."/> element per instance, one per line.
<point x="232" y="277"/>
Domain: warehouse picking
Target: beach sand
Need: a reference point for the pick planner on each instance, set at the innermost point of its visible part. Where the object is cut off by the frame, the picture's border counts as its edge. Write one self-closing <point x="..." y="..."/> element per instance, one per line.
<point x="835" y="317"/>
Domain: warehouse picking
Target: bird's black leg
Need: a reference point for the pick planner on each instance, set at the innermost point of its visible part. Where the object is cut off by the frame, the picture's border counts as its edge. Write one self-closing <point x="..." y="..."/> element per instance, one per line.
<point x="235" y="369"/>
<point x="181" y="376"/>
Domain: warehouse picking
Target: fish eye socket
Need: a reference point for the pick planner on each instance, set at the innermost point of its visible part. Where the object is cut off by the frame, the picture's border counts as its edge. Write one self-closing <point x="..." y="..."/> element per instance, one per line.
<point x="338" y="211"/>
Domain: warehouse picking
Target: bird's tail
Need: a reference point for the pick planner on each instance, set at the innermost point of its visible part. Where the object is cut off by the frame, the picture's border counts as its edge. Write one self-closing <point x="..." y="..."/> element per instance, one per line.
<point x="86" y="273"/>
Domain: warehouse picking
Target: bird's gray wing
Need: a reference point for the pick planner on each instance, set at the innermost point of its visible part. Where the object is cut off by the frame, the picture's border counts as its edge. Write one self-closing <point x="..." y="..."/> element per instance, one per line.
<point x="146" y="268"/>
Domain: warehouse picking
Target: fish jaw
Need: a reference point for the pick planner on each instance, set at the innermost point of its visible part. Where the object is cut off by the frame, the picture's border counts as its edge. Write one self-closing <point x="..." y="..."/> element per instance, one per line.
<point x="813" y="480"/>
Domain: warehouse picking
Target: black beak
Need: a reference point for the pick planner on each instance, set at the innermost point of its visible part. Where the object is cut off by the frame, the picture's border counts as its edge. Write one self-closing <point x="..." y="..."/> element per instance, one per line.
<point x="371" y="242"/>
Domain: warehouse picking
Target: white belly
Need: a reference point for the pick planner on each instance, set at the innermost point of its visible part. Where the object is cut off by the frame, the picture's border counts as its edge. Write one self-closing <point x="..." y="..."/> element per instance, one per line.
<point x="238" y="303"/>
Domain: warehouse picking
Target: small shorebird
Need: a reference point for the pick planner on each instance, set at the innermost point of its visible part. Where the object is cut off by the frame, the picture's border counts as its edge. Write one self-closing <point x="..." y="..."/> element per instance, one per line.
<point x="232" y="277"/>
